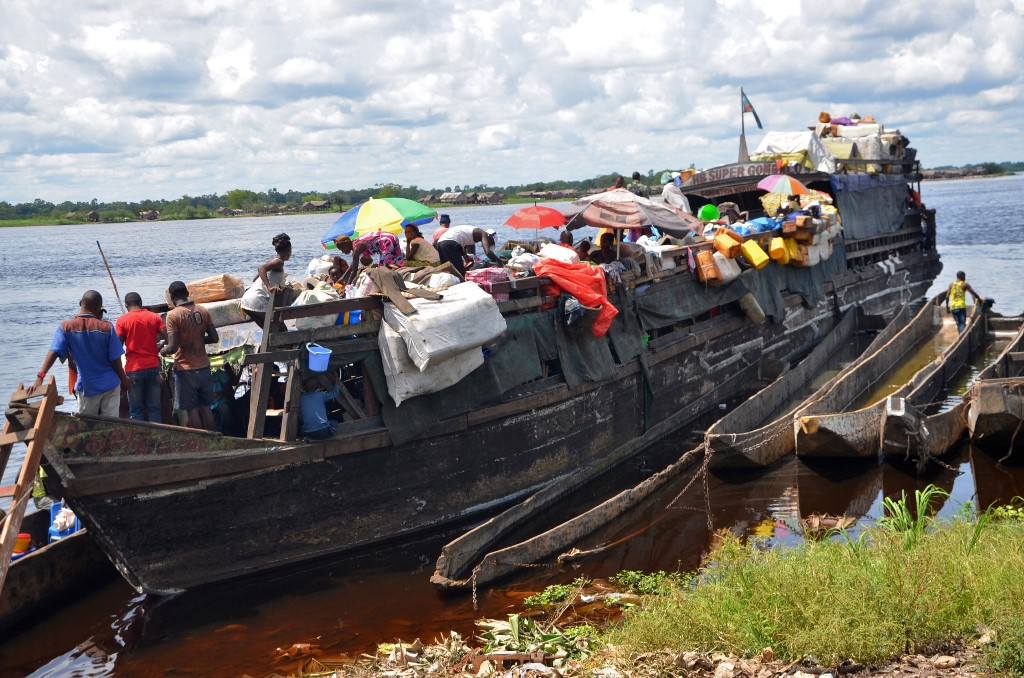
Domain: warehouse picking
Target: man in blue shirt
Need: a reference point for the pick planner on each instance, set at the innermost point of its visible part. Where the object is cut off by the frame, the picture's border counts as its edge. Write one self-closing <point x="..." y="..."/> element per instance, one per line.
<point x="313" y="406"/>
<point x="93" y="349"/>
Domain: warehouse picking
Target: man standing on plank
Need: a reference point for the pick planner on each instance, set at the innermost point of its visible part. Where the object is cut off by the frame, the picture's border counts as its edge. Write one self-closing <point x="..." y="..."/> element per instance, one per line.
<point x="92" y="346"/>
<point x="189" y="329"/>
<point x="139" y="329"/>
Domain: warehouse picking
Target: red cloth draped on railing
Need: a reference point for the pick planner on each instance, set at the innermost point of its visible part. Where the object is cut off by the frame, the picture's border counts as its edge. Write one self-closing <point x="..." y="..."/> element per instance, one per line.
<point x="586" y="283"/>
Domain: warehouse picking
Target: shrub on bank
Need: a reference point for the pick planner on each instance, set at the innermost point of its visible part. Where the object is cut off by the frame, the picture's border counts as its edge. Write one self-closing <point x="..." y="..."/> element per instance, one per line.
<point x="906" y="585"/>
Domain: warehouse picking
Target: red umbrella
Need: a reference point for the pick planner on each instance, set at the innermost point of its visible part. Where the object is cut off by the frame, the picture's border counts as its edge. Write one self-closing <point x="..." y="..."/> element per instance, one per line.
<point x="536" y="217"/>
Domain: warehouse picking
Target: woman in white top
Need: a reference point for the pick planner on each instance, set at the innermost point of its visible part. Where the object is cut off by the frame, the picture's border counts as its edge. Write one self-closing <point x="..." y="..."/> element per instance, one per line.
<point x="269" y="278"/>
<point x="417" y="249"/>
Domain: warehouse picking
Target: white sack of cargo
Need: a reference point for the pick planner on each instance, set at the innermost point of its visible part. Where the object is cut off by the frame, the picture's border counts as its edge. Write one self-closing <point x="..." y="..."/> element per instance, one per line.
<point x="565" y="255"/>
<point x="320" y="266"/>
<point x="317" y="296"/>
<point x="441" y="281"/>
<point x="227" y="312"/>
<point x="405" y="379"/>
<point x="466" y="317"/>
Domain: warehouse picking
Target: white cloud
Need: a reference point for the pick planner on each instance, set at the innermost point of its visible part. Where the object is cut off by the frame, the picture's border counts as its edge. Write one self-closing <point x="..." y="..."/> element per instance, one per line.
<point x="118" y="47"/>
<point x="230" y="66"/>
<point x="303" y="71"/>
<point x="132" y="99"/>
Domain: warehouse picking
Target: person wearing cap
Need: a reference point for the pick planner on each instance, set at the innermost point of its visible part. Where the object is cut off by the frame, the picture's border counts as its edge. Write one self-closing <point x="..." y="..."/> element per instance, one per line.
<point x="139" y="330"/>
<point x="673" y="194"/>
<point x="91" y="347"/>
<point x="189" y="329"/>
<point x="453" y="245"/>
<point x="637" y="186"/>
<point x="445" y="223"/>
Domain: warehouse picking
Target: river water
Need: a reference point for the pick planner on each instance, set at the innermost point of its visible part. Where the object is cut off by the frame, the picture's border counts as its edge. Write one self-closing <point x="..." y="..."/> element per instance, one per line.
<point x="347" y="605"/>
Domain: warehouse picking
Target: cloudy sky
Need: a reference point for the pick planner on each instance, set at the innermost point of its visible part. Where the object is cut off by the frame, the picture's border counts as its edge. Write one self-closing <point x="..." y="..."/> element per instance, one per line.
<point x="136" y="99"/>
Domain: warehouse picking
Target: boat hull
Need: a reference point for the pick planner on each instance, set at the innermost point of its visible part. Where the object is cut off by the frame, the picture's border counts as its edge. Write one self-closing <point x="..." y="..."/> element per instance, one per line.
<point x="189" y="510"/>
<point x="995" y="415"/>
<point x="827" y="428"/>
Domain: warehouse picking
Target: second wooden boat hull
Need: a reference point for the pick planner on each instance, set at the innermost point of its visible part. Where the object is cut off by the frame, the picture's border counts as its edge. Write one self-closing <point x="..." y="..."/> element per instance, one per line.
<point x="995" y="415"/>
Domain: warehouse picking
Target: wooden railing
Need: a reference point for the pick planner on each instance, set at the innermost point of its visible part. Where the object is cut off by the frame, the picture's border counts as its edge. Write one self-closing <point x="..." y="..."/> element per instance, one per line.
<point x="37" y="438"/>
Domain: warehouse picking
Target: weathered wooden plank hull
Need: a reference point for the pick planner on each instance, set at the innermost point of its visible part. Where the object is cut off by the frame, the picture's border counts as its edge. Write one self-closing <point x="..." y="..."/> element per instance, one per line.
<point x="176" y="516"/>
<point x="995" y="402"/>
<point x="742" y="439"/>
<point x="995" y="415"/>
<point x="824" y="428"/>
<point x="51" y="575"/>
<point x="907" y="434"/>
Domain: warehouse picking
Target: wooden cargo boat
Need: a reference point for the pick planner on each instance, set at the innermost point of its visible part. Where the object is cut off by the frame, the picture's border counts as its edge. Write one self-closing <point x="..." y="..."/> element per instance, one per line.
<point x="175" y="508"/>
<point x="995" y="402"/>
<point x="759" y="431"/>
<point x="908" y="432"/>
<point x="828" y="427"/>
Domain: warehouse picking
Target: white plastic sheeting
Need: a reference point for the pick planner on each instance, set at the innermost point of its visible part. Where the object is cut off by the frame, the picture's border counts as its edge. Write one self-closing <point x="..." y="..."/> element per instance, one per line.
<point x="465" y="318"/>
<point x="780" y="143"/>
<point x="404" y="378"/>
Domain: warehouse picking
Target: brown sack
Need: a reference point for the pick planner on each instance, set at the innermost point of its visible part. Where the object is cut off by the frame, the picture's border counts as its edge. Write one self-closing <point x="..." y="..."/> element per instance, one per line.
<point x="214" y="288"/>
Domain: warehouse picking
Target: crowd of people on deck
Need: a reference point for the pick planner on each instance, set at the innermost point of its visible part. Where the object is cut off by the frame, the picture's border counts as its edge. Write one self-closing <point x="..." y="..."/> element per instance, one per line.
<point x="106" y="358"/>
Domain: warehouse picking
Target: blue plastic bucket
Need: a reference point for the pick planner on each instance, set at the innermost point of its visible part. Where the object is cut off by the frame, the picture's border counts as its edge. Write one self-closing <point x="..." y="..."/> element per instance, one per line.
<point x="318" y="357"/>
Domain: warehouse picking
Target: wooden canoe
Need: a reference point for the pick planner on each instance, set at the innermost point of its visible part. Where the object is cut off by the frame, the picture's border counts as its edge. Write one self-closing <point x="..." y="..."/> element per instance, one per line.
<point x="827" y="427"/>
<point x="758" y="432"/>
<point x="908" y="432"/>
<point x="51" y="576"/>
<point x="995" y="402"/>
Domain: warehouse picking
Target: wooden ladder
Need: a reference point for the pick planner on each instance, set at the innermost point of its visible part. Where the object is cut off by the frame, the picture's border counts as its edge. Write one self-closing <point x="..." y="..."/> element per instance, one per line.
<point x="37" y="439"/>
<point x="262" y="376"/>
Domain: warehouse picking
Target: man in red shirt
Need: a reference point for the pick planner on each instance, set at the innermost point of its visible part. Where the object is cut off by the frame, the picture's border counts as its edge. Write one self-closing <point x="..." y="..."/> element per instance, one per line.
<point x="189" y="329"/>
<point x="139" y="329"/>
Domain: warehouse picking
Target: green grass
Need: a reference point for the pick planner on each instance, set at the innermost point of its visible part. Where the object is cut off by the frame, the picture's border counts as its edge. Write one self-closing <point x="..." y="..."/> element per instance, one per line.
<point x="35" y="221"/>
<point x="907" y="584"/>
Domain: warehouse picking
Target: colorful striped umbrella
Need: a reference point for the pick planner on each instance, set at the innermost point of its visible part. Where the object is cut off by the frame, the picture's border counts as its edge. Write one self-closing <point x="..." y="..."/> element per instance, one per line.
<point x="389" y="215"/>
<point x="783" y="184"/>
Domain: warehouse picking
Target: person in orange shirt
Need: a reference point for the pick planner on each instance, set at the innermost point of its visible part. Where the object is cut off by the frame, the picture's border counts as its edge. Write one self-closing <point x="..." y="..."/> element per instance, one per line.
<point x="189" y="329"/>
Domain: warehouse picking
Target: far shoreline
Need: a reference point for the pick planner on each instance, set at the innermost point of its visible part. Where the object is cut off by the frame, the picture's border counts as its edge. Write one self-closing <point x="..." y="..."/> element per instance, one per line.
<point x="59" y="222"/>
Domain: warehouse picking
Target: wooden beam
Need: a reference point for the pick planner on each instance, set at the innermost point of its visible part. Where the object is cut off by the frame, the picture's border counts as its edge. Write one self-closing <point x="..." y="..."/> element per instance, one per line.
<point x="261" y="378"/>
<point x="337" y="348"/>
<point x="13" y="437"/>
<point x="321" y="333"/>
<point x="327" y="308"/>
<point x="292" y="397"/>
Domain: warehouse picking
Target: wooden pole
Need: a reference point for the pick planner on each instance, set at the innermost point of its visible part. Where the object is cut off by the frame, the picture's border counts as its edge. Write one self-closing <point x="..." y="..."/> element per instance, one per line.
<point x="111" y="274"/>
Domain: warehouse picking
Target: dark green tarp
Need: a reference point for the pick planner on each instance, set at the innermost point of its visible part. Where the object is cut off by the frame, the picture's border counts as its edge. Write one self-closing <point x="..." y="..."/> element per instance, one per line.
<point x="871" y="204"/>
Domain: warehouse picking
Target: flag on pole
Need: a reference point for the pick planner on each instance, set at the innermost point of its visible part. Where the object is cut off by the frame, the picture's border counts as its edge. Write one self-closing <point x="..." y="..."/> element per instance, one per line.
<point x="749" y="108"/>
